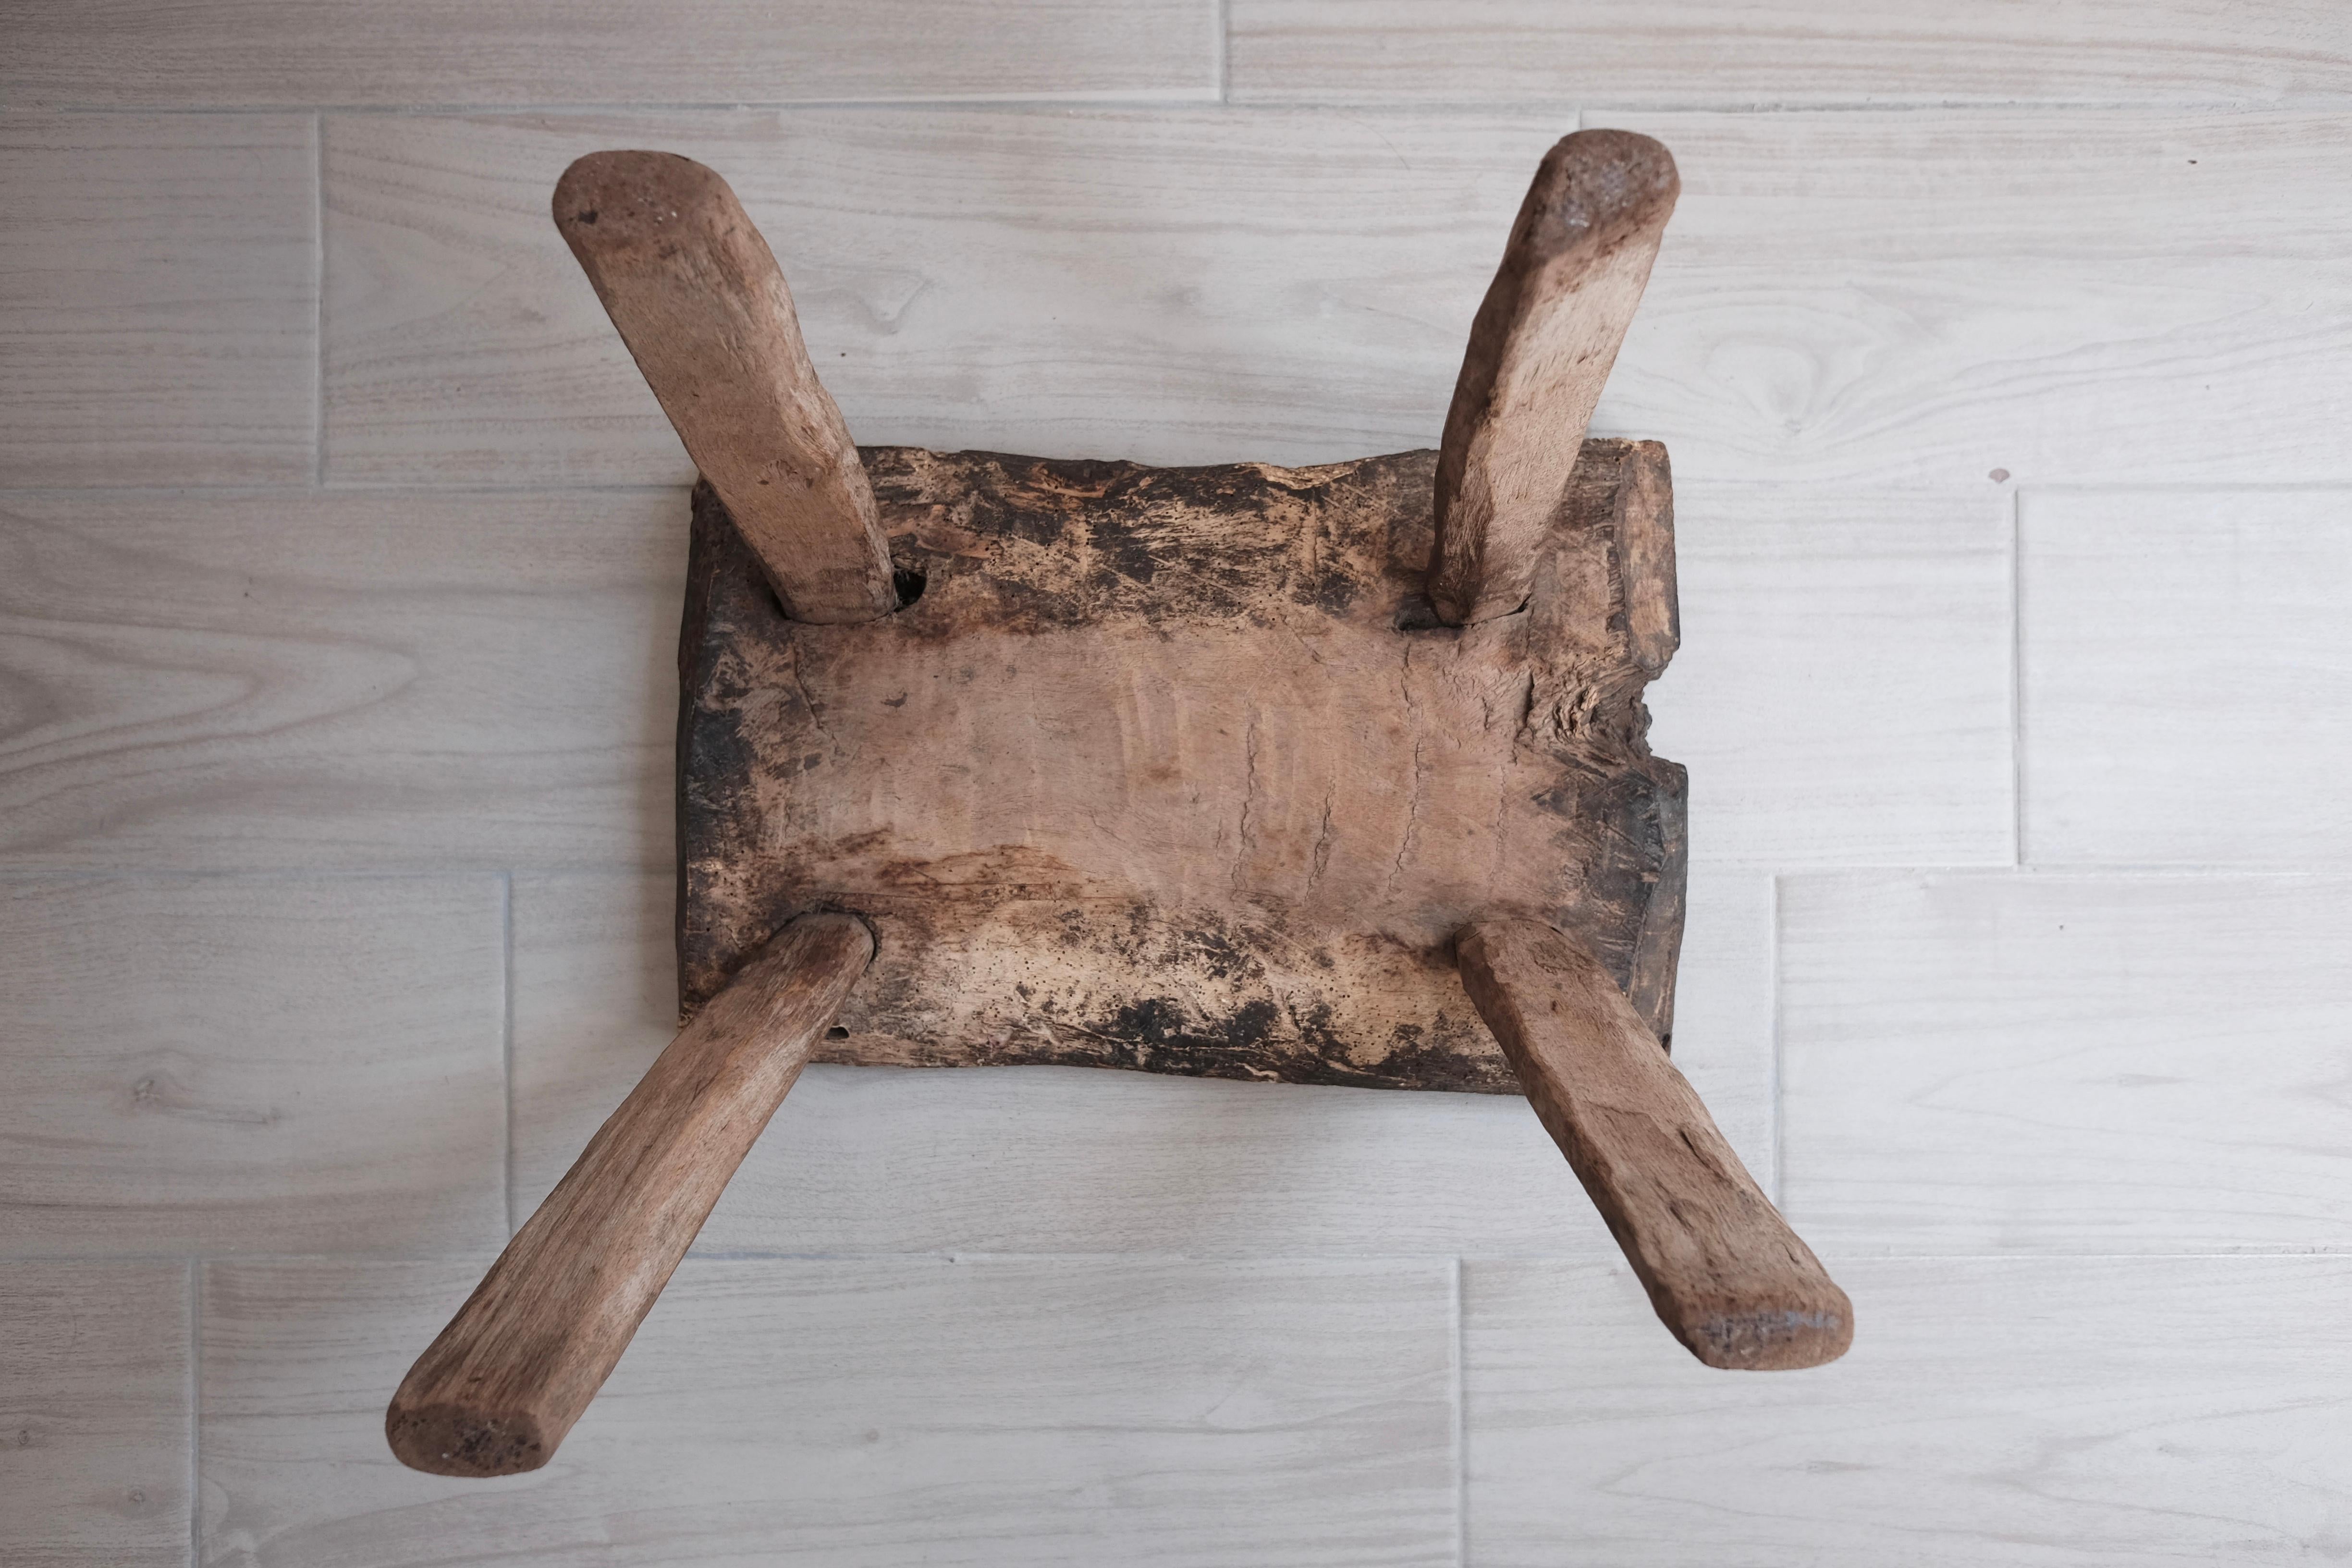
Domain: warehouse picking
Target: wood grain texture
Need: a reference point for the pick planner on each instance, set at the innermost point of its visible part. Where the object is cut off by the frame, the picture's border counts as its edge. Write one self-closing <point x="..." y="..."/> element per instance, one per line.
<point x="1540" y="349"/>
<point x="2065" y="1064"/>
<point x="1170" y="769"/>
<point x="1893" y="298"/>
<point x="1000" y="279"/>
<point x="158" y="322"/>
<point x="2174" y="648"/>
<point x="403" y="681"/>
<point x="496" y="1391"/>
<point x="2051" y="1413"/>
<point x="1724" y="1271"/>
<point x="1842" y="695"/>
<point x="1811" y="53"/>
<point x="696" y="295"/>
<point x="94" y="1406"/>
<point x="235" y="54"/>
<point x="233" y="1064"/>
<point x="1922" y="298"/>
<point x="863" y="1161"/>
<point x="871" y="1414"/>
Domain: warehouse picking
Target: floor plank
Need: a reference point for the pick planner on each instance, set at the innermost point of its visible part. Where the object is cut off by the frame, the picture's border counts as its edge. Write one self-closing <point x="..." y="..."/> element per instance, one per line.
<point x="250" y="1064"/>
<point x="2186" y="655"/>
<point x="94" y="1418"/>
<point x="2117" y="298"/>
<point x="240" y="681"/>
<point x="2066" y="1064"/>
<point x="1073" y="1159"/>
<point x="233" y="54"/>
<point x="875" y="1412"/>
<point x="2047" y="1413"/>
<point x="1911" y="299"/>
<point x="1165" y="285"/>
<point x="1842" y="696"/>
<point x="158" y="317"/>
<point x="1730" y="55"/>
<point x="437" y="678"/>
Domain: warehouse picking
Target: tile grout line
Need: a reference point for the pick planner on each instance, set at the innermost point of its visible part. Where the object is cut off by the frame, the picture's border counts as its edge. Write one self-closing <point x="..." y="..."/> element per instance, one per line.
<point x="1772" y="1002"/>
<point x="2017" y="678"/>
<point x="2307" y="870"/>
<point x="1865" y="485"/>
<point x="1224" y="15"/>
<point x="318" y="300"/>
<point x="1188" y="97"/>
<point x="1461" y="1426"/>
<point x="1141" y="98"/>
<point x="195" y="1392"/>
<point x="506" y="1051"/>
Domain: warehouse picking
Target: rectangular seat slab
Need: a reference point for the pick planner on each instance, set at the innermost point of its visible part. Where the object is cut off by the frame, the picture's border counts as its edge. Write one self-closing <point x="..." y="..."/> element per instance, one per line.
<point x="1173" y="769"/>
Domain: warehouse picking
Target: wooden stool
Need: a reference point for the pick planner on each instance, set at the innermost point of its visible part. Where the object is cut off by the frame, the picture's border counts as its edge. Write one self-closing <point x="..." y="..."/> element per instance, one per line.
<point x="1336" y="774"/>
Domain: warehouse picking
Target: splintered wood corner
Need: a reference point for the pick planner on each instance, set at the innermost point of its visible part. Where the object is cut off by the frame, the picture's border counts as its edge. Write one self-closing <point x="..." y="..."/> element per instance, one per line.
<point x="1174" y="769"/>
<point x="1334" y="775"/>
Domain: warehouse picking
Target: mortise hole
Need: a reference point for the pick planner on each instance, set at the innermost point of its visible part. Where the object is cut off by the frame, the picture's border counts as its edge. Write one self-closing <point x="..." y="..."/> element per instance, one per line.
<point x="836" y="1033"/>
<point x="1417" y="615"/>
<point x="907" y="584"/>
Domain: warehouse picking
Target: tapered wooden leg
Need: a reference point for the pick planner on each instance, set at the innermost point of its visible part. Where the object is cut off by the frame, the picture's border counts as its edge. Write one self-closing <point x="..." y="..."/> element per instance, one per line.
<point x="1726" y="1273"/>
<point x="1540" y="347"/>
<point x="699" y="299"/>
<point x="505" y="1380"/>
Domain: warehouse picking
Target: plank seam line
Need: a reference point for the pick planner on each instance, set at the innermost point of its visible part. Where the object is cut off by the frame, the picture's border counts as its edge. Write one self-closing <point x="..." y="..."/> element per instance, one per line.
<point x="195" y="1280"/>
<point x="506" y="1051"/>
<point x="1204" y="97"/>
<point x="1772" y="1004"/>
<point x="1224" y="18"/>
<point x="1461" y="1426"/>
<point x="318" y="302"/>
<point x="1142" y="97"/>
<point x="2017" y="675"/>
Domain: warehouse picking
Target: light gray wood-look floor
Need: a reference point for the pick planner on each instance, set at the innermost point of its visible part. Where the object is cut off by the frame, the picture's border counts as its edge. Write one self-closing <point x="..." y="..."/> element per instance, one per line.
<point x="2004" y="354"/>
<point x="2054" y="1413"/>
<point x="885" y="1411"/>
<point x="95" y="1413"/>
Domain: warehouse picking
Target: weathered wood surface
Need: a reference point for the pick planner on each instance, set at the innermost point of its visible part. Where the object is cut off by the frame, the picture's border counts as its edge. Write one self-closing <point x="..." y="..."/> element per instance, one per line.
<point x="1541" y="346"/>
<point x="498" y="1389"/>
<point x="1725" y="1272"/>
<point x="696" y="295"/>
<point x="1173" y="769"/>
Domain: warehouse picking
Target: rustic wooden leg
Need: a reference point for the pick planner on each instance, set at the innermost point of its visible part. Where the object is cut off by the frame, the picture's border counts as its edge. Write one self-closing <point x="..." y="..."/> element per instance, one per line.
<point x="1540" y="347"/>
<point x="1726" y="1273"/>
<point x="699" y="299"/>
<point x="505" y="1380"/>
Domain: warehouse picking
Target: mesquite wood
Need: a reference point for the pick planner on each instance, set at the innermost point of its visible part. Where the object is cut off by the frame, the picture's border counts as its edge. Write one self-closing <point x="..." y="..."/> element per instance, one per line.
<point x="1540" y="348"/>
<point x="699" y="299"/>
<point x="1173" y="769"/>
<point x="1726" y="1273"/>
<point x="505" y="1380"/>
<point x="1335" y="774"/>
